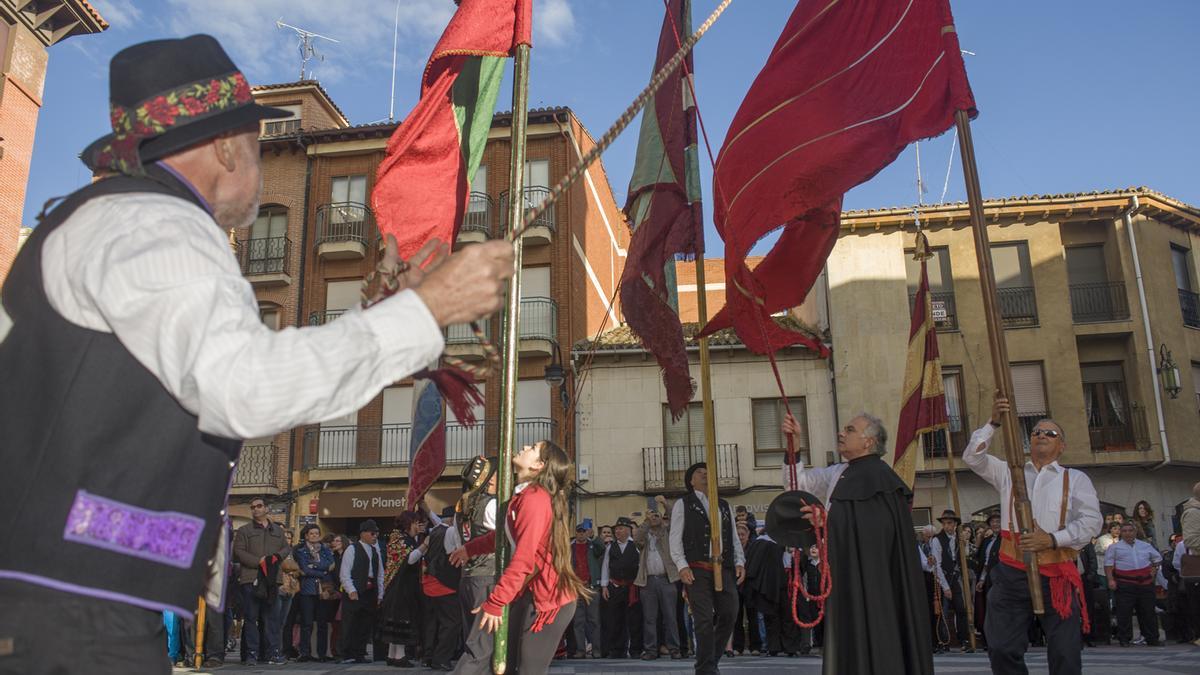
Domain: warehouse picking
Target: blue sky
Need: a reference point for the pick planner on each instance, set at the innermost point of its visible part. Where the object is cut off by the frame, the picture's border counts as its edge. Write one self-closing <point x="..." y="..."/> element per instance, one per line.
<point x="1073" y="96"/>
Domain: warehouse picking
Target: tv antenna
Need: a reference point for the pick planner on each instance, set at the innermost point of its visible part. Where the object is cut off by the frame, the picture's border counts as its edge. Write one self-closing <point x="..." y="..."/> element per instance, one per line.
<point x="307" y="50"/>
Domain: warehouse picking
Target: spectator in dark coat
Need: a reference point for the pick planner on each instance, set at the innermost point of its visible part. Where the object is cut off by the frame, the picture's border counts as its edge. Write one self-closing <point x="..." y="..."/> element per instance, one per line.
<point x="316" y="570"/>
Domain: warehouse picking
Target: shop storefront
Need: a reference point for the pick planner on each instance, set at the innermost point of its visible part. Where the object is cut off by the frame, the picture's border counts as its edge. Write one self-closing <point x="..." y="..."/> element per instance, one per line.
<point x="341" y="509"/>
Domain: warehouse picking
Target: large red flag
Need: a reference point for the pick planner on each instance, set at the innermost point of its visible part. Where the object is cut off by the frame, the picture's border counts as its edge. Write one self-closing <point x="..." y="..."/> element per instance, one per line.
<point x="848" y="85"/>
<point x="421" y="187"/>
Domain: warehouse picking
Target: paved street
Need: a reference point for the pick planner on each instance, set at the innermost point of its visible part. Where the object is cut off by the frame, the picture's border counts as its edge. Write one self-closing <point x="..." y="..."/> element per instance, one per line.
<point x="1102" y="661"/>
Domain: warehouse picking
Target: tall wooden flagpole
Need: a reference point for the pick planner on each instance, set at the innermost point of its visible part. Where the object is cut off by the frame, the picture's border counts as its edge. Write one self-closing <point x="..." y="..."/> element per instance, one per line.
<point x="710" y="427"/>
<point x="509" y="328"/>
<point x="967" y="595"/>
<point x="1013" y="448"/>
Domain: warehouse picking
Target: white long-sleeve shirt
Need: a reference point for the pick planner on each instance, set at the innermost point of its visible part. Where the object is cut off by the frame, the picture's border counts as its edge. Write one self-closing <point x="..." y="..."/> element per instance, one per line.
<point x="818" y="481"/>
<point x="156" y="272"/>
<point x="677" y="515"/>
<point x="454" y="540"/>
<point x="348" y="565"/>
<point x="1181" y="550"/>
<point x="620" y="546"/>
<point x="1045" y="493"/>
<point x="935" y="546"/>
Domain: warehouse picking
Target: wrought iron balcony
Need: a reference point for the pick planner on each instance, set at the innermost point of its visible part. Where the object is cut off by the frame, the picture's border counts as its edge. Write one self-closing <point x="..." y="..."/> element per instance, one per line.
<point x="1129" y="433"/>
<point x="1091" y="303"/>
<point x="1189" y="304"/>
<point x="1018" y="306"/>
<point x="256" y="466"/>
<point x="534" y="196"/>
<point x="945" y="313"/>
<point x="539" y="319"/>
<point x="322" y="318"/>
<point x="478" y="218"/>
<point x="388" y="445"/>
<point x="264" y="256"/>
<point x="462" y="334"/>
<point x="344" y="222"/>
<point x="663" y="468"/>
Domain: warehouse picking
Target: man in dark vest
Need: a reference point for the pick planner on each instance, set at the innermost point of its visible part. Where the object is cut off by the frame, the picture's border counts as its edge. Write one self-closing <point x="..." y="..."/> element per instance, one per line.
<point x="986" y="557"/>
<point x="439" y="584"/>
<point x="475" y="517"/>
<point x="949" y="574"/>
<point x="713" y="612"/>
<point x="362" y="581"/>
<point x="126" y="320"/>
<point x="618" y="571"/>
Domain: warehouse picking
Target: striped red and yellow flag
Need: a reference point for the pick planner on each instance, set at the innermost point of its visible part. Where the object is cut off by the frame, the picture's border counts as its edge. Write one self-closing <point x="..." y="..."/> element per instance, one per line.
<point x="924" y="398"/>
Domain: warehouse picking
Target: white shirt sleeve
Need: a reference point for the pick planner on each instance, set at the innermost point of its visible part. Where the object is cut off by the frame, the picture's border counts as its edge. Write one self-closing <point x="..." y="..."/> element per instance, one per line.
<point x="344" y="572"/>
<point x="1155" y="557"/>
<point x="159" y="274"/>
<point x="1110" y="556"/>
<point x="415" y="556"/>
<point x="739" y="555"/>
<point x="976" y="457"/>
<point x="489" y="515"/>
<point x="604" y="565"/>
<point x="379" y="571"/>
<point x="813" y="480"/>
<point x="925" y="567"/>
<point x="1083" y="510"/>
<point x="452" y="543"/>
<point x="1180" y="551"/>
<point x="677" y="515"/>
<point x="935" y="546"/>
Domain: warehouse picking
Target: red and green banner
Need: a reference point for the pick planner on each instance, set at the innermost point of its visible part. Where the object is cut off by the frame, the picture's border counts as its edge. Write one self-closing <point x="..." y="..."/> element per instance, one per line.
<point x="664" y="213"/>
<point x="422" y="185"/>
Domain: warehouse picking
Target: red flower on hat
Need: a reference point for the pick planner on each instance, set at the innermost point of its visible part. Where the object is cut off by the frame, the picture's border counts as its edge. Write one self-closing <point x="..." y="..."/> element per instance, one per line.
<point x="193" y="105"/>
<point x="241" y="89"/>
<point x="159" y="110"/>
<point x="214" y="93"/>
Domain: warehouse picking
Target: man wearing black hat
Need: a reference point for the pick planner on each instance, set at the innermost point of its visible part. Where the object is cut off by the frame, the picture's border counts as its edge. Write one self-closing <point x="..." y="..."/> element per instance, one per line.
<point x="944" y="548"/>
<point x="126" y="319"/>
<point x="618" y="572"/>
<point x="713" y="612"/>
<point x="362" y="581"/>
<point x="439" y="583"/>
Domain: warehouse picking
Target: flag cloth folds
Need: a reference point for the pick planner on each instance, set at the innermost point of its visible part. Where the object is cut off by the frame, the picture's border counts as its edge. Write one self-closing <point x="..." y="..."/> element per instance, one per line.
<point x="923" y="405"/>
<point x="847" y="86"/>
<point x="427" y="445"/>
<point x="421" y="187"/>
<point x="664" y="213"/>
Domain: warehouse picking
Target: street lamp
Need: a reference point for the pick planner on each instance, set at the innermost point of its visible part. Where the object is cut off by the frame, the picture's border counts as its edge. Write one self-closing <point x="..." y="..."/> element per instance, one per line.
<point x="1168" y="371"/>
<point x="556" y="376"/>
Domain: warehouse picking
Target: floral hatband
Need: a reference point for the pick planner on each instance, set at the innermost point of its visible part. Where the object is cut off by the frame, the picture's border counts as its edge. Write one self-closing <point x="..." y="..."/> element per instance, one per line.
<point x="154" y="116"/>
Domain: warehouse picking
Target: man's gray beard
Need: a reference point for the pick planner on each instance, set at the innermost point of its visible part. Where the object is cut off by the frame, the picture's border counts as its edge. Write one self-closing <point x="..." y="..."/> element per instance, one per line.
<point x="232" y="217"/>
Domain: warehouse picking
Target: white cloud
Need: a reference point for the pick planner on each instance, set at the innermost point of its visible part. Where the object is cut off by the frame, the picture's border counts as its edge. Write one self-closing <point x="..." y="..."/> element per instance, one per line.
<point x="118" y="13"/>
<point x="553" y="21"/>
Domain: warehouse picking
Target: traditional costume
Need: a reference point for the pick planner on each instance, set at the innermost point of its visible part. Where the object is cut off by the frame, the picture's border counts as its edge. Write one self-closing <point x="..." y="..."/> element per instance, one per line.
<point x="949" y="572"/>
<point x="623" y="609"/>
<point x="362" y="573"/>
<point x="439" y="583"/>
<point x="400" y="614"/>
<point x="474" y="518"/>
<point x="1134" y="567"/>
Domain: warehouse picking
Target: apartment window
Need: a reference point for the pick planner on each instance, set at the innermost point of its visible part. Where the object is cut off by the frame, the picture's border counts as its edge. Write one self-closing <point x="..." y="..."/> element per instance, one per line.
<point x="348" y="189"/>
<point x="934" y="442"/>
<point x="395" y="436"/>
<point x="1029" y="396"/>
<point x="479" y="183"/>
<point x="287" y="125"/>
<point x="266" y="249"/>
<point x="1093" y="296"/>
<point x="1014" y="284"/>
<point x="270" y="317"/>
<point x="687" y="431"/>
<point x="1189" y="301"/>
<point x="770" y="444"/>
<point x="270" y="223"/>
<point x="1106" y="406"/>
<point x="941" y="286"/>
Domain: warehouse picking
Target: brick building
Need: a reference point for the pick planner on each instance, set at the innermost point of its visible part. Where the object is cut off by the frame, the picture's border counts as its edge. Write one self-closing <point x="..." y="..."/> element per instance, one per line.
<point x="27" y="29"/>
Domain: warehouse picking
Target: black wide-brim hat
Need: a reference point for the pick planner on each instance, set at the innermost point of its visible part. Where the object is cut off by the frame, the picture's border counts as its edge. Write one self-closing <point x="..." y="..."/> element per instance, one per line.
<point x="368" y="525"/>
<point x="478" y="472"/>
<point x="625" y="522"/>
<point x="949" y="514"/>
<point x="168" y="95"/>
<point x="786" y="524"/>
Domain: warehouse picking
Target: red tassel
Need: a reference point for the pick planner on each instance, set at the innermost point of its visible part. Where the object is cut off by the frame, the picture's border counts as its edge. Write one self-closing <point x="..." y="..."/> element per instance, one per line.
<point x="458" y="389"/>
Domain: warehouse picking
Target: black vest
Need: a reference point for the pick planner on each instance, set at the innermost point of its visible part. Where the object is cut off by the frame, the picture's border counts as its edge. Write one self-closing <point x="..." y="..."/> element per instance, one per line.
<point x="623" y="566"/>
<point x="437" y="563"/>
<point x="109" y="489"/>
<point x="949" y="556"/>
<point x="697" y="532"/>
<point x="360" y="571"/>
<point x="481" y="565"/>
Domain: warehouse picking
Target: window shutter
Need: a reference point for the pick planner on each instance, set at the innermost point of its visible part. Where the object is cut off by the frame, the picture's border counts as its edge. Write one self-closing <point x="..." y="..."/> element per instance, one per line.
<point x="953" y="400"/>
<point x="767" y="421"/>
<point x="674" y="432"/>
<point x="1028" y="391"/>
<point x="1102" y="373"/>
<point x="695" y="423"/>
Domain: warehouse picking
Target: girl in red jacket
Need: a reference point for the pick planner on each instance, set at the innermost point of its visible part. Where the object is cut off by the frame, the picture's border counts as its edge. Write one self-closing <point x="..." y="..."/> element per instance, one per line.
<point x="539" y="583"/>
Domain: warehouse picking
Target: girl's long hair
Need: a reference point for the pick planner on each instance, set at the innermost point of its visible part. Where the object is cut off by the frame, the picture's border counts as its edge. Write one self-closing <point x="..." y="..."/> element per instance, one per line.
<point x="557" y="478"/>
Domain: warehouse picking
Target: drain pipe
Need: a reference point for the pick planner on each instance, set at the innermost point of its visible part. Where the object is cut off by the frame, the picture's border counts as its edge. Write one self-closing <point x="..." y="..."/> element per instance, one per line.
<point x="1127" y="216"/>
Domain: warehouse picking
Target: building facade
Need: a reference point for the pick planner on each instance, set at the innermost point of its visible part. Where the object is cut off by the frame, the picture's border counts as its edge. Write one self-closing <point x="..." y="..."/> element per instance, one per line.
<point x="1091" y="301"/>
<point x="27" y="29"/>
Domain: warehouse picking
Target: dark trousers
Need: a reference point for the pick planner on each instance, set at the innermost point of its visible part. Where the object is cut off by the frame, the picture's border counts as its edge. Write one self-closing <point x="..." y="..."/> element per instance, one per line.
<point x="658" y="598"/>
<point x="312" y="609"/>
<point x="745" y="631"/>
<point x="585" y="627"/>
<point x="213" y="644"/>
<point x="253" y="608"/>
<point x="1008" y="620"/>
<point x="358" y="626"/>
<point x="956" y="610"/>
<point x="536" y="650"/>
<point x="713" y="615"/>
<point x="56" y="632"/>
<point x="1101" y="614"/>
<point x="443" y="628"/>
<point x="477" y="644"/>
<point x="623" y="629"/>
<point x="1191" y="595"/>
<point x="1131" y="597"/>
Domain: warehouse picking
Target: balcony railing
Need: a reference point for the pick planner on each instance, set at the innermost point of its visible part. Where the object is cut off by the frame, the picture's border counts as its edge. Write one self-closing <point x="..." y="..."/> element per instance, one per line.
<point x="322" y="318"/>
<point x="387" y="445"/>
<point x="462" y="334"/>
<point x="264" y="256"/>
<point x="344" y="221"/>
<point x="663" y="468"/>
<point x="478" y="217"/>
<point x="539" y="319"/>
<point x="945" y="313"/>
<point x="1018" y="306"/>
<point x="1132" y="433"/>
<point x="1189" y="304"/>
<point x="256" y="466"/>
<point x="1096" y="302"/>
<point x="534" y="196"/>
<point x="934" y="442"/>
<point x="280" y="127"/>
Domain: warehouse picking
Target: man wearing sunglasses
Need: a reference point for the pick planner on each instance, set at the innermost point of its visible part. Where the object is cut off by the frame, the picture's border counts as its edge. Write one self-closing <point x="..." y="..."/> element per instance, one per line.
<point x="1066" y="514"/>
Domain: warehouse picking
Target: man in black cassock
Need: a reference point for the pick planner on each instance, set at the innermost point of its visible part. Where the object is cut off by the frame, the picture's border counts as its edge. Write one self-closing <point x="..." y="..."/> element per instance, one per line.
<point x="877" y="618"/>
